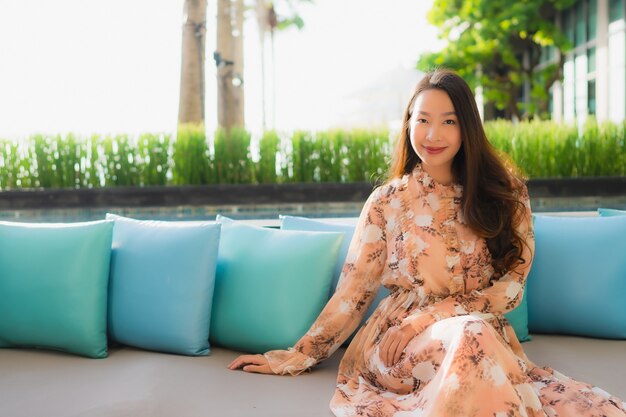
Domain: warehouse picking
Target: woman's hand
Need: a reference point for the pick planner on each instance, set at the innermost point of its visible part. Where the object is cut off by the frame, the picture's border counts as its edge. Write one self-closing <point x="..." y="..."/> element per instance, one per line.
<point x="394" y="341"/>
<point x="251" y="363"/>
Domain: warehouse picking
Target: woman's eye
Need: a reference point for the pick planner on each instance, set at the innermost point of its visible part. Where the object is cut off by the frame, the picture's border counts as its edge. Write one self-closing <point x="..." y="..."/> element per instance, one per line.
<point x="421" y="121"/>
<point x="450" y="122"/>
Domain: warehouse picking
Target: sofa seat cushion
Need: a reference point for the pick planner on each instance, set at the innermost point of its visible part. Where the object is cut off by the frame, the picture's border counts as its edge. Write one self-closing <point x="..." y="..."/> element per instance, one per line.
<point x="138" y="383"/>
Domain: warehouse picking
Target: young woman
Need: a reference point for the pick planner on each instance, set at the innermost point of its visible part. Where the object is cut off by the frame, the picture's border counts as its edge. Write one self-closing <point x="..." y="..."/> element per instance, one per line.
<point x="450" y="234"/>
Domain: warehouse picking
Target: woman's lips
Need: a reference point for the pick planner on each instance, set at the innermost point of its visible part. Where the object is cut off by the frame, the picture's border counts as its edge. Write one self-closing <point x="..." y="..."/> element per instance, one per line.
<point x="433" y="150"/>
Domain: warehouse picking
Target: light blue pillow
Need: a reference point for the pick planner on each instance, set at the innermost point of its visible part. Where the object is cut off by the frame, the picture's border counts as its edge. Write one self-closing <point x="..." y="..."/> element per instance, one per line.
<point x="53" y="286"/>
<point x="270" y="286"/>
<point x="578" y="278"/>
<point x="224" y="219"/>
<point x="305" y="224"/>
<point x="162" y="281"/>
<point x="606" y="212"/>
<point x="518" y="317"/>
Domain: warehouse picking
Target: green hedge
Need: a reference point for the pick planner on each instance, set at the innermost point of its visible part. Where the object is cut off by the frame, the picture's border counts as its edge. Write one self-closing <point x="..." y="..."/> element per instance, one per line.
<point x="549" y="150"/>
<point x="540" y="149"/>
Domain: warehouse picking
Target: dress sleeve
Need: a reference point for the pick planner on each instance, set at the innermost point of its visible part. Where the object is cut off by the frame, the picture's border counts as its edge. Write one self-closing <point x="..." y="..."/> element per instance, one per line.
<point x="359" y="282"/>
<point x="502" y="296"/>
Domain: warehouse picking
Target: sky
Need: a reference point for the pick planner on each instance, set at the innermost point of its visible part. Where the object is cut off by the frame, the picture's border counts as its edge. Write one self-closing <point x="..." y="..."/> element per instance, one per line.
<point x="88" y="66"/>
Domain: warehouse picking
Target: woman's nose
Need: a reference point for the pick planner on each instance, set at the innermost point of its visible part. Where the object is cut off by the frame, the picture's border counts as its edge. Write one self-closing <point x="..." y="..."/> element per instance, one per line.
<point x="431" y="135"/>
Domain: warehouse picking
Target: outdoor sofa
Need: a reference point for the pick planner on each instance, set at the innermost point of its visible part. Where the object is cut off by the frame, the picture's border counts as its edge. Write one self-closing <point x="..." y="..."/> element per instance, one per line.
<point x="576" y="314"/>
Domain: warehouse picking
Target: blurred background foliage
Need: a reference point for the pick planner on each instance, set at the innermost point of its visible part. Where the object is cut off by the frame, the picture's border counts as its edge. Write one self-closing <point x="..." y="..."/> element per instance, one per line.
<point x="502" y="47"/>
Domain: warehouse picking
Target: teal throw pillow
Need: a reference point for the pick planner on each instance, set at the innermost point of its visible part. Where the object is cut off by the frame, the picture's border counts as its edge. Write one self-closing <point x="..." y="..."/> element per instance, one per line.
<point x="606" y="212"/>
<point x="312" y="225"/>
<point x="162" y="281"/>
<point x="518" y="318"/>
<point x="577" y="281"/>
<point x="270" y="285"/>
<point x="53" y="286"/>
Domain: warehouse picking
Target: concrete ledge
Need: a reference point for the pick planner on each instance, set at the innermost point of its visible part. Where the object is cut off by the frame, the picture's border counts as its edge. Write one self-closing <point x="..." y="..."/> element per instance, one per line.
<point x="242" y="195"/>
<point x="268" y="201"/>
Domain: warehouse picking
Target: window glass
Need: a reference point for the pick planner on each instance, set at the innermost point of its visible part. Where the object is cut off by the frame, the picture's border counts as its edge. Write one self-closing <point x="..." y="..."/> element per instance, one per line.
<point x="591" y="59"/>
<point x="581" y="24"/>
<point x="551" y="103"/>
<point x="568" y="24"/>
<point x="592" y="19"/>
<point x="591" y="96"/>
<point x="616" y="10"/>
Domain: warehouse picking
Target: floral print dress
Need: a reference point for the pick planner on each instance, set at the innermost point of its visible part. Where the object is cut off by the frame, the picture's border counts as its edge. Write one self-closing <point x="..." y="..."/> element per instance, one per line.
<point x="465" y="360"/>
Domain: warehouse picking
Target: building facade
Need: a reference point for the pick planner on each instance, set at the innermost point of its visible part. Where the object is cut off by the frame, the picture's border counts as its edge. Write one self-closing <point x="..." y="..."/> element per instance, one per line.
<point x="594" y="72"/>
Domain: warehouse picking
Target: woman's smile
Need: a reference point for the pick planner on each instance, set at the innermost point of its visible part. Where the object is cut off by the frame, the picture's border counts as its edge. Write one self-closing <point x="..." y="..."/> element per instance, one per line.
<point x="434" y="150"/>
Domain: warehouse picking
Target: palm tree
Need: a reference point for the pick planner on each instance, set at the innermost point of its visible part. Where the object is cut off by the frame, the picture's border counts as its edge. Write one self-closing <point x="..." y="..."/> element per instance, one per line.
<point x="266" y="22"/>
<point x="229" y="61"/>
<point x="191" y="104"/>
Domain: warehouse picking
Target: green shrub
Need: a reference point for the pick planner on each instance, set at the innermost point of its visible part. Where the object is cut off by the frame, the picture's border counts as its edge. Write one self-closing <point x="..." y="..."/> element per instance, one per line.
<point x="544" y="149"/>
<point x="46" y="166"/>
<point x="331" y="150"/>
<point x="120" y="158"/>
<point x="233" y="161"/>
<point x="94" y="162"/>
<point x="603" y="150"/>
<point x="153" y="158"/>
<point x="70" y="161"/>
<point x="16" y="165"/>
<point x="304" y="157"/>
<point x="368" y="155"/>
<point x="269" y="148"/>
<point x="191" y="164"/>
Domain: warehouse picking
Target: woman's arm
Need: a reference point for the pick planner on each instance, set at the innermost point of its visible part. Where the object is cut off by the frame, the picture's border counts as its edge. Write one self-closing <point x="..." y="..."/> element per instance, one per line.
<point x="359" y="282"/>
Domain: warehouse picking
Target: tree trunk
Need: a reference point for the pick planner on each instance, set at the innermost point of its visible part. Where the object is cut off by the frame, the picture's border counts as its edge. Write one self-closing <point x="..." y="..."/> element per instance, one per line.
<point x="191" y="105"/>
<point x="514" y="113"/>
<point x="262" y="20"/>
<point x="229" y="61"/>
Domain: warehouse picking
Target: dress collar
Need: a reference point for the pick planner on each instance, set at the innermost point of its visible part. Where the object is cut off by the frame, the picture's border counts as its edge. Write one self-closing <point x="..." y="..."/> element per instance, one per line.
<point x="429" y="184"/>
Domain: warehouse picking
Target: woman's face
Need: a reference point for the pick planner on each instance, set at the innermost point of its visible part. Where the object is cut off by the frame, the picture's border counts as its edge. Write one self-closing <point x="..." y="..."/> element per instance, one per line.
<point x="435" y="132"/>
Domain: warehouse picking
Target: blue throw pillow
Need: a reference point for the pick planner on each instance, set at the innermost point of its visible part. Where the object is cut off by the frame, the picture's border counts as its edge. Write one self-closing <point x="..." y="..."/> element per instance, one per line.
<point x="162" y="281"/>
<point x="578" y="278"/>
<point x="606" y="212"/>
<point x="270" y="286"/>
<point x="53" y="286"/>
